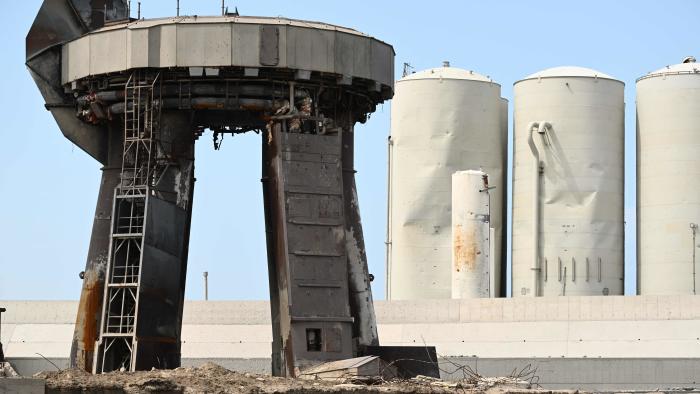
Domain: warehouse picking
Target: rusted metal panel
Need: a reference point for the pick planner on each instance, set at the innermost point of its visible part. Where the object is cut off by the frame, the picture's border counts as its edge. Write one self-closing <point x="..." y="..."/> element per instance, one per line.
<point x="90" y="304"/>
<point x="87" y="323"/>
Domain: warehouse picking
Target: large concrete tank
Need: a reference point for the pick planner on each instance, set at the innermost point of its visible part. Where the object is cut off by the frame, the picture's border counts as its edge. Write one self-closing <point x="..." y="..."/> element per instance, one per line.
<point x="568" y="184"/>
<point x="668" y="179"/>
<point x="443" y="120"/>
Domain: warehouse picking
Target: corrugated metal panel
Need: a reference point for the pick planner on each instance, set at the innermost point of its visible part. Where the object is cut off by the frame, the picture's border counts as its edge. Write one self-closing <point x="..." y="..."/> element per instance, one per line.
<point x="577" y="189"/>
<point x="75" y="60"/>
<point x="164" y="49"/>
<point x="203" y="45"/>
<point x="351" y="55"/>
<point x="238" y="20"/>
<point x="381" y="53"/>
<point x="137" y="48"/>
<point x="308" y="49"/>
<point x="218" y="43"/>
<point x="108" y="52"/>
<point x="243" y="53"/>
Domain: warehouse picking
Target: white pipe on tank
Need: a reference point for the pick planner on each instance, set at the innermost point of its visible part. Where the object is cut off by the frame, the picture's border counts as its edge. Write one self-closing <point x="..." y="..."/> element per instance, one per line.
<point x="541" y="127"/>
<point x="389" y="146"/>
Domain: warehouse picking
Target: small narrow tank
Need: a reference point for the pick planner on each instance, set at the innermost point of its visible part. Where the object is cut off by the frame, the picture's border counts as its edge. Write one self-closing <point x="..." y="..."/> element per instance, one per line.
<point x="668" y="179"/>
<point x="568" y="184"/>
<point x="471" y="235"/>
<point x="443" y="120"/>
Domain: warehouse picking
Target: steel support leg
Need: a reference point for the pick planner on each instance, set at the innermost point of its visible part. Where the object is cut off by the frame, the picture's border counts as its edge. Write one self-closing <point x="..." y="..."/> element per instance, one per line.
<point x="321" y="302"/>
<point x="90" y="305"/>
<point x="361" y="302"/>
<point x="146" y="333"/>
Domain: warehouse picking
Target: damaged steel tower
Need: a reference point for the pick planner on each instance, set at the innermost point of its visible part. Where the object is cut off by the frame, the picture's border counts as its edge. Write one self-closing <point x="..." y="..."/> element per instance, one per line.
<point x="136" y="94"/>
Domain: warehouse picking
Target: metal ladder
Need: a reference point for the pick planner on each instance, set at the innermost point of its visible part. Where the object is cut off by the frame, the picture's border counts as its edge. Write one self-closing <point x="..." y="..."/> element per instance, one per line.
<point x="117" y="344"/>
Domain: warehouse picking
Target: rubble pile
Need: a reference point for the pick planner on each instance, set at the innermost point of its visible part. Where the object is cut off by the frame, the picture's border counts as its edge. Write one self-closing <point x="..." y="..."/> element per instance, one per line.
<point x="6" y="371"/>
<point x="212" y="378"/>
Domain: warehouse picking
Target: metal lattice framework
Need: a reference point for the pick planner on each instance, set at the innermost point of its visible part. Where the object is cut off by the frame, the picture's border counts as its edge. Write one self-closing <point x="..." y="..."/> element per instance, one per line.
<point x="139" y="173"/>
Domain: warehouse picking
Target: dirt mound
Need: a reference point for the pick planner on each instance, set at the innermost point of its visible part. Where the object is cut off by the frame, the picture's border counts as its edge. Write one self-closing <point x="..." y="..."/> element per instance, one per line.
<point x="213" y="378"/>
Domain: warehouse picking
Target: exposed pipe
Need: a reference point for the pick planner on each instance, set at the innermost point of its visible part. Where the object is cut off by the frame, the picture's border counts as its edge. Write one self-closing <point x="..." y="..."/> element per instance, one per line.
<point x="2" y="354"/>
<point x="694" y="229"/>
<point x="538" y="168"/>
<point x="206" y="286"/>
<point x="209" y="103"/>
<point x="389" y="145"/>
<point x="207" y="90"/>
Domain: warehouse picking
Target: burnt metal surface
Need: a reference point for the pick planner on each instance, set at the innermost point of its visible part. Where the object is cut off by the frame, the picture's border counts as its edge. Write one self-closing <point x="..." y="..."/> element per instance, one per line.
<point x="361" y="302"/>
<point x="141" y="123"/>
<point x="144" y="282"/>
<point x="86" y="331"/>
<point x="59" y="21"/>
<point x="308" y="247"/>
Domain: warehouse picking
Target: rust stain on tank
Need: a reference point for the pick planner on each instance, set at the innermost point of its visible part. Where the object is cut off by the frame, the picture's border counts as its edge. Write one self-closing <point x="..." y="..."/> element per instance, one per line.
<point x="465" y="248"/>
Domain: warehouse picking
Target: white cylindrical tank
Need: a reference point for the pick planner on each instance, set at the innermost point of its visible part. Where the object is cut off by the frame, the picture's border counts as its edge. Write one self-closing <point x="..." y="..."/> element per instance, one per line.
<point x="668" y="179"/>
<point x="443" y="120"/>
<point x="471" y="262"/>
<point x="568" y="184"/>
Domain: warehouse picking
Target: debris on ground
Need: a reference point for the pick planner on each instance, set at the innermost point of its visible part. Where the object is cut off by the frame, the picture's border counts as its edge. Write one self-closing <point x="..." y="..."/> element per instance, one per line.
<point x="212" y="378"/>
<point x="6" y="371"/>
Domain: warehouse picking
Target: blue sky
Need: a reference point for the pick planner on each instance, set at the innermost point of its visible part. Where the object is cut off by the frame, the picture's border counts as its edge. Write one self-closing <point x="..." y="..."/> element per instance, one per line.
<point x="48" y="187"/>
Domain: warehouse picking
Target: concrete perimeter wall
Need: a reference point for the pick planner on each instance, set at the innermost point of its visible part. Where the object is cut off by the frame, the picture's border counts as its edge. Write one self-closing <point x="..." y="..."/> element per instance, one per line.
<point x="609" y="334"/>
